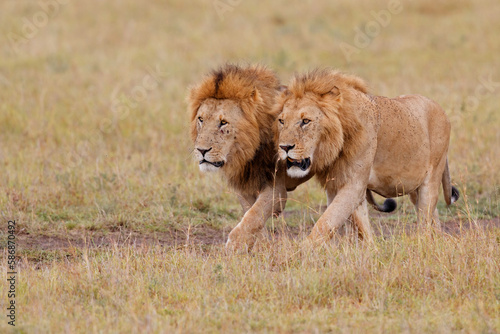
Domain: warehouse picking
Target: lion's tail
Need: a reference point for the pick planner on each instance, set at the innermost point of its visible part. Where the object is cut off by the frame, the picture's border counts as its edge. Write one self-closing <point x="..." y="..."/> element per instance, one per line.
<point x="451" y="193"/>
<point x="388" y="206"/>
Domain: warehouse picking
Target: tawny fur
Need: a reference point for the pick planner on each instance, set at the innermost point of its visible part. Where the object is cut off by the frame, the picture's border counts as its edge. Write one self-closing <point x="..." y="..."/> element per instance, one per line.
<point x="359" y="142"/>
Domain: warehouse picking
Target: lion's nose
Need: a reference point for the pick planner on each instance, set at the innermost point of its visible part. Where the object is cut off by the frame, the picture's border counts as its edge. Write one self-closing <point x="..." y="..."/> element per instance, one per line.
<point x="287" y="148"/>
<point x="203" y="151"/>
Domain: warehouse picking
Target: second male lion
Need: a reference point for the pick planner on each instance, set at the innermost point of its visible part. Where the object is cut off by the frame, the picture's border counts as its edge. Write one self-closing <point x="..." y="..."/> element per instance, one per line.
<point x="329" y="126"/>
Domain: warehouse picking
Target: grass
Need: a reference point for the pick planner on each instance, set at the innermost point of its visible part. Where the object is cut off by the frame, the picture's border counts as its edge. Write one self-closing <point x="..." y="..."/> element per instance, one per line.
<point x="427" y="282"/>
<point x="88" y="146"/>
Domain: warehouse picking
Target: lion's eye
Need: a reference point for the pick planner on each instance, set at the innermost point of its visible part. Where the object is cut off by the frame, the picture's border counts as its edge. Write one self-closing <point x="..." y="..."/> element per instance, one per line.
<point x="200" y="119"/>
<point x="305" y="121"/>
<point x="223" y="122"/>
<point x="281" y="121"/>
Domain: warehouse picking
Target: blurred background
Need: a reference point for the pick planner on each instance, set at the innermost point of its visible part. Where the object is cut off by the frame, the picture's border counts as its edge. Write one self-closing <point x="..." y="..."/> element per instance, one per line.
<point x="93" y="121"/>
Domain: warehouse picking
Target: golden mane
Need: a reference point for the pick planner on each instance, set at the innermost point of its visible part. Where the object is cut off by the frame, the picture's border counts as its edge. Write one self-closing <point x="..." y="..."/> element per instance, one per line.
<point x="322" y="81"/>
<point x="254" y="88"/>
<point x="337" y="94"/>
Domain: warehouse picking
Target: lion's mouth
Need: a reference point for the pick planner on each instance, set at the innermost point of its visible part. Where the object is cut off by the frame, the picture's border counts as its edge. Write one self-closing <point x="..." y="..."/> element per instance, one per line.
<point x="303" y="164"/>
<point x="217" y="164"/>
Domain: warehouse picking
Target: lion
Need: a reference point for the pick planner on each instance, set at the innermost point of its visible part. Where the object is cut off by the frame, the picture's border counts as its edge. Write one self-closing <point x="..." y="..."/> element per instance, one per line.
<point x="233" y="127"/>
<point x="354" y="142"/>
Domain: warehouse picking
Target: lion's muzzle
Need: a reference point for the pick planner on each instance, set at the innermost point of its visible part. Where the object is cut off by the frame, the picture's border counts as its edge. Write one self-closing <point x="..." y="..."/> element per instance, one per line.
<point x="208" y="162"/>
<point x="303" y="164"/>
<point x="217" y="164"/>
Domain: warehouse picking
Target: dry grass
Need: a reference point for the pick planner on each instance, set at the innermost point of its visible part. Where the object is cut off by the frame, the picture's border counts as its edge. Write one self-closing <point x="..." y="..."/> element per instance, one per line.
<point x="424" y="282"/>
<point x="83" y="150"/>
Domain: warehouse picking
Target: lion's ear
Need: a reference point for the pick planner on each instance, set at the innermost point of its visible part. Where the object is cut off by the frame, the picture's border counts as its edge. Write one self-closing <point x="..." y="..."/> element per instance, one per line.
<point x="282" y="88"/>
<point x="255" y="95"/>
<point x="334" y="92"/>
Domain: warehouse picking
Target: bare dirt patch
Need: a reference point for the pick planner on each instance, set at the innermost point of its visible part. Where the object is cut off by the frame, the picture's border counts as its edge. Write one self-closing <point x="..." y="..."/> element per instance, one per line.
<point x="207" y="235"/>
<point x="201" y="235"/>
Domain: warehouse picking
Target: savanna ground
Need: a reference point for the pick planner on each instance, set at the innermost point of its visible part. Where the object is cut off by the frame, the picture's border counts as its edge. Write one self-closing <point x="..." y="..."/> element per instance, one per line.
<point x="117" y="231"/>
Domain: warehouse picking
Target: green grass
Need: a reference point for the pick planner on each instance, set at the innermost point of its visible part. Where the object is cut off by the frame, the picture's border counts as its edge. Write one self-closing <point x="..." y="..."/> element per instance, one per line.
<point x="82" y="152"/>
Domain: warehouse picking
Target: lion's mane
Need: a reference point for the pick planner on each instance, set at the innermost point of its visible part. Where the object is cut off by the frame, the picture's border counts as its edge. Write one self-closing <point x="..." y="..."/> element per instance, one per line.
<point x="337" y="95"/>
<point x="254" y="89"/>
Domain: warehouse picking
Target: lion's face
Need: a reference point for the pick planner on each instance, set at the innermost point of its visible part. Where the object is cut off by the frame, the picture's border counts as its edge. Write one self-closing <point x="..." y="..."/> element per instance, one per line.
<point x="308" y="138"/>
<point x="218" y="131"/>
<point x="299" y="133"/>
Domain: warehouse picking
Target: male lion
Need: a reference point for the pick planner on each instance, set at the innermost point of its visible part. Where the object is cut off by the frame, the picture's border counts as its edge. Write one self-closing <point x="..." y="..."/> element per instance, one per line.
<point x="329" y="126"/>
<point x="233" y="127"/>
<point x="232" y="124"/>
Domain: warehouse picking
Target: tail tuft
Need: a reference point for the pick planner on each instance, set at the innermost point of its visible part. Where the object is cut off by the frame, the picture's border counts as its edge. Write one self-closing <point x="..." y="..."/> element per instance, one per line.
<point x="389" y="205"/>
<point x="455" y="194"/>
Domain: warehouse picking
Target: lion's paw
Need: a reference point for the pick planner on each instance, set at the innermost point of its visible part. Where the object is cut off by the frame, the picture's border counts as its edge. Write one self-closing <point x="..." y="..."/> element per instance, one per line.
<point x="239" y="241"/>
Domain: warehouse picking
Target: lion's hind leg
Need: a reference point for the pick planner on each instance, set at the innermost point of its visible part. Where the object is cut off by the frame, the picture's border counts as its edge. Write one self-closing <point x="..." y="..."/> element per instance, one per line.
<point x="426" y="206"/>
<point x="426" y="200"/>
<point x="362" y="222"/>
<point x="414" y="198"/>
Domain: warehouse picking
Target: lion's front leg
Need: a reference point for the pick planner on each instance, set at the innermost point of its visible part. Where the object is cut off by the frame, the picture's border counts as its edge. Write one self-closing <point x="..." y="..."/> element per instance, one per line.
<point x="244" y="235"/>
<point x="270" y="200"/>
<point x="246" y="201"/>
<point x="344" y="204"/>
